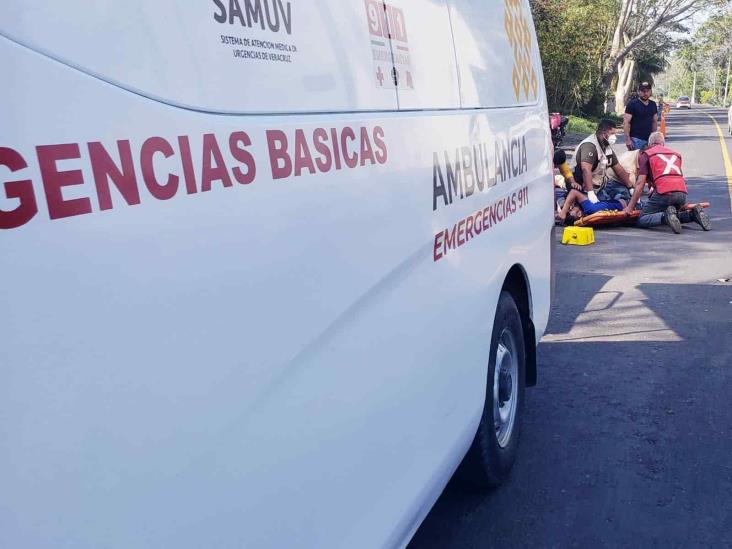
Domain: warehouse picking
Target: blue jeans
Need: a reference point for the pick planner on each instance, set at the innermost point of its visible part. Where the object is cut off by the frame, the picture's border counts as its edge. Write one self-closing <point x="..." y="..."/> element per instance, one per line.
<point x="638" y="144"/>
<point x="560" y="196"/>
<point x="613" y="190"/>
<point x="652" y="213"/>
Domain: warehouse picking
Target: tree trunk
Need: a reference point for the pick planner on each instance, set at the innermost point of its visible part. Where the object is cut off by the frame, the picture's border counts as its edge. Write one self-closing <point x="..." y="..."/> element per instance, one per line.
<point x="626" y="71"/>
<point x="726" y="83"/>
<point x="616" y="55"/>
<point x="623" y="44"/>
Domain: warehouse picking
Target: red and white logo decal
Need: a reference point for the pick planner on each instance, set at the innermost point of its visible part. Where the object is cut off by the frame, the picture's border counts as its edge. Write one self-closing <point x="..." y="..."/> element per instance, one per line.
<point x="389" y="45"/>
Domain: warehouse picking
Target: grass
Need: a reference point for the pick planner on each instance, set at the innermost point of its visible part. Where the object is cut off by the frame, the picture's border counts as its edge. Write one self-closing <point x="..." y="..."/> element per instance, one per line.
<point x="578" y="124"/>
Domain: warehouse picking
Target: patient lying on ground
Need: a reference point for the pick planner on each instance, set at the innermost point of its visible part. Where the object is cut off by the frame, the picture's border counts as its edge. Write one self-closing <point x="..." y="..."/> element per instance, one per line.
<point x="577" y="205"/>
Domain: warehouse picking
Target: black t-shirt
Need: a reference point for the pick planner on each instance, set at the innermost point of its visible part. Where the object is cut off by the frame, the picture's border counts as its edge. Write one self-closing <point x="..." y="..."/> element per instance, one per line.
<point x="643" y="115"/>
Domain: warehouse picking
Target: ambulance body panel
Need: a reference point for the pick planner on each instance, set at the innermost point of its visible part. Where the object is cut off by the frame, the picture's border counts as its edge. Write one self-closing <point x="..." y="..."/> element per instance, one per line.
<point x="251" y="330"/>
<point x="212" y="56"/>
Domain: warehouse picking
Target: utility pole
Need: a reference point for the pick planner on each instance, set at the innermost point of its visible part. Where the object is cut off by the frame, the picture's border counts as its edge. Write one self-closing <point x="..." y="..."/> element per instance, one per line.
<point x="693" y="89"/>
<point x="726" y="84"/>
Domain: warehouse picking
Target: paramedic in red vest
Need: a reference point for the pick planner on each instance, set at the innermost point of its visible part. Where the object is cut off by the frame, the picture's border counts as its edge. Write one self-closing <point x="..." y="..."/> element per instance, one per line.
<point x="660" y="167"/>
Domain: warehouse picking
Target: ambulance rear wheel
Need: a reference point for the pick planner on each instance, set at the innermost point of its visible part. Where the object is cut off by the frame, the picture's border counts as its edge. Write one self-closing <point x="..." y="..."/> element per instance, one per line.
<point x="493" y="451"/>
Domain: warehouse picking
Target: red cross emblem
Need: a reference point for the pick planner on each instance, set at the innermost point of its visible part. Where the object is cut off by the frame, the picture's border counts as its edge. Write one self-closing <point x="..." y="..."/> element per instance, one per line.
<point x="670" y="164"/>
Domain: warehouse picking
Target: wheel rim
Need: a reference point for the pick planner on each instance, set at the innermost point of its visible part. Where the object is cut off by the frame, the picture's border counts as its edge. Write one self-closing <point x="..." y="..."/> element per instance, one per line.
<point x="505" y="388"/>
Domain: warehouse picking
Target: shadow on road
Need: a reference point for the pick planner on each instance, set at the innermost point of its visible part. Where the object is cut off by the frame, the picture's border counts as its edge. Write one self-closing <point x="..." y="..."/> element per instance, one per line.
<point x="642" y="441"/>
<point x="692" y="117"/>
<point x="701" y="190"/>
<point x="695" y="138"/>
<point x="627" y="438"/>
<point x="584" y="287"/>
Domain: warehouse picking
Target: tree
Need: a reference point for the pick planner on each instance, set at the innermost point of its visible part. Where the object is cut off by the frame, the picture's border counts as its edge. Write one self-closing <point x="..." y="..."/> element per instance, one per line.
<point x="715" y="41"/>
<point x="573" y="36"/>
<point x="592" y="49"/>
<point x="637" y="21"/>
<point x="649" y="58"/>
<point x="706" y="56"/>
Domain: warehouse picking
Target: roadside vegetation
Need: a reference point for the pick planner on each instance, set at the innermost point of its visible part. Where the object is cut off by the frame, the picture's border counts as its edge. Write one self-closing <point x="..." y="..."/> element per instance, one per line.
<point x="700" y="68"/>
<point x="587" y="125"/>
<point x="595" y="52"/>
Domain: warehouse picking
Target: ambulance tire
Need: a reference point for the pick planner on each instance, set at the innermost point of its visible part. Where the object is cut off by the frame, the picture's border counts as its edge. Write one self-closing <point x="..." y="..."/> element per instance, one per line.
<point x="493" y="451"/>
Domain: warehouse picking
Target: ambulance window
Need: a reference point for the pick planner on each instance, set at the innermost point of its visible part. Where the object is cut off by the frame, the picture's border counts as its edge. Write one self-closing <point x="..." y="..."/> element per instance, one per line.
<point x="238" y="56"/>
<point x="497" y="53"/>
<point x="424" y="56"/>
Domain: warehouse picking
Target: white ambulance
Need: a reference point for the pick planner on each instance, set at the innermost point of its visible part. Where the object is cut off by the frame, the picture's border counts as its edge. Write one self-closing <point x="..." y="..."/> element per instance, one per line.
<point x="270" y="268"/>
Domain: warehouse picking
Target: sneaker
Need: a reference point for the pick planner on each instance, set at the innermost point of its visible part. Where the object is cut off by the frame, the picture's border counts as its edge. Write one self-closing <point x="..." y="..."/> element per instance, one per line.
<point x="672" y="219"/>
<point x="700" y="216"/>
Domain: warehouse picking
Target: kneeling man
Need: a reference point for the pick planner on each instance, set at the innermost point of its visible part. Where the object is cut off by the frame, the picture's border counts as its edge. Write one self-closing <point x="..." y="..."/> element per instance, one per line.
<point x="660" y="167"/>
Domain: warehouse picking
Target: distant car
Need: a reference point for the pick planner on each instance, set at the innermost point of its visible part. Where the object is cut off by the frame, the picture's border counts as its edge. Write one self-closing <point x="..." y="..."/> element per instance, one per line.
<point x="683" y="102"/>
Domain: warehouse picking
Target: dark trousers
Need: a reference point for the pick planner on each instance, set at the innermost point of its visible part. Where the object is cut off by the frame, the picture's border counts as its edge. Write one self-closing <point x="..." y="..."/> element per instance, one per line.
<point x="613" y="190"/>
<point x="653" y="210"/>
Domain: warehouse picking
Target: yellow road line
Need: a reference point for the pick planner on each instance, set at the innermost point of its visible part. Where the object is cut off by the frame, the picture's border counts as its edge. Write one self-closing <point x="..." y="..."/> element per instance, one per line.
<point x="725" y="157"/>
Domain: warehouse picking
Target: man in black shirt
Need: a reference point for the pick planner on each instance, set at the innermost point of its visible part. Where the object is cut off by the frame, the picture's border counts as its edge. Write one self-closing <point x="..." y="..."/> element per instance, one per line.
<point x="641" y="118"/>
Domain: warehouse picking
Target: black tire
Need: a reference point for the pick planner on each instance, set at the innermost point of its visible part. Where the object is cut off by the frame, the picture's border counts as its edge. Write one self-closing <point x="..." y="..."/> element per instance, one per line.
<point x="488" y="462"/>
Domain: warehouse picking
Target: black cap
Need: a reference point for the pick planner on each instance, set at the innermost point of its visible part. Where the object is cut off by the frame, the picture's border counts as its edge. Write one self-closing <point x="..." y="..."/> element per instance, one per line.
<point x="644" y="86"/>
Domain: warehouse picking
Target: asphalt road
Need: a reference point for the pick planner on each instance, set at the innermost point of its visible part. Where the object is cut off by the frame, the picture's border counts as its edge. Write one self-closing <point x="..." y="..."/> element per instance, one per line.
<point x="627" y="438"/>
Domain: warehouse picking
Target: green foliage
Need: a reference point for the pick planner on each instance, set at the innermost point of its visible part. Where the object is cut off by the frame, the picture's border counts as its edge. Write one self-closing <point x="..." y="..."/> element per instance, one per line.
<point x="705" y="54"/>
<point x="588" y="125"/>
<point x="581" y="125"/>
<point x="653" y="55"/>
<point x="708" y="97"/>
<point x="614" y="117"/>
<point x="575" y="40"/>
<point x="573" y="37"/>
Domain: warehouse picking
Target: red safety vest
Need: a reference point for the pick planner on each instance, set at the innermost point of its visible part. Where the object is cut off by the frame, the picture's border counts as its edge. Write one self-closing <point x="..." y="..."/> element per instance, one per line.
<point x="665" y="166"/>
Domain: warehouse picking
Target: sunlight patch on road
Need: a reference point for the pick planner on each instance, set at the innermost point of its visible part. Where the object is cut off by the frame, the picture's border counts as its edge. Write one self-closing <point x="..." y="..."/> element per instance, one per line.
<point x="616" y="316"/>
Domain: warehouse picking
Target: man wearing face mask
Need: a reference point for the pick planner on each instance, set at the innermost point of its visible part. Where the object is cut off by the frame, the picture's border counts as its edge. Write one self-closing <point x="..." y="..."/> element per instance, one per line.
<point x="593" y="157"/>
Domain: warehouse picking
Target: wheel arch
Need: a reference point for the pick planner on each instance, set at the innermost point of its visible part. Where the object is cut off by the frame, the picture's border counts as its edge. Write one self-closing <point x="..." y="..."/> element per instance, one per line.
<point x="517" y="284"/>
